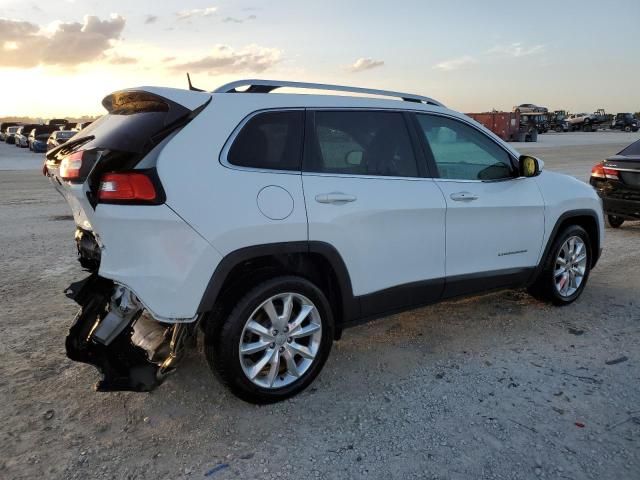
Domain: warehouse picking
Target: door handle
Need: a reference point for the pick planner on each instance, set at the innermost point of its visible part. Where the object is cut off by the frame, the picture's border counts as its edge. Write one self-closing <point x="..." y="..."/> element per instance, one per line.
<point x="335" y="197"/>
<point x="463" y="197"/>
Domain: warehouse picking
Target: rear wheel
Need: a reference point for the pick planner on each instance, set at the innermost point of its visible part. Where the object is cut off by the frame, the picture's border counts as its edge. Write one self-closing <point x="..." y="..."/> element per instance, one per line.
<point x="275" y="341"/>
<point x="627" y="128"/>
<point x="566" y="269"/>
<point x="615" y="221"/>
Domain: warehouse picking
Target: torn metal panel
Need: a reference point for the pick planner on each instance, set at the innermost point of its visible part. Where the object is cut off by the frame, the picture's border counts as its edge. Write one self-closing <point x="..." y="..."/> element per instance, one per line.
<point x="132" y="351"/>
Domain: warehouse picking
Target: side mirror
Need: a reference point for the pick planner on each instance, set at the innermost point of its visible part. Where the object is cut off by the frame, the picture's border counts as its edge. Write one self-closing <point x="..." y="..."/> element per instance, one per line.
<point x="529" y="166"/>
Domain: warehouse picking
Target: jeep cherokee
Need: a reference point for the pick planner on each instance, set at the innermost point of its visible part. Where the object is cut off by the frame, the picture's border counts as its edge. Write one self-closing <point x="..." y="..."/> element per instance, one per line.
<point x="272" y="221"/>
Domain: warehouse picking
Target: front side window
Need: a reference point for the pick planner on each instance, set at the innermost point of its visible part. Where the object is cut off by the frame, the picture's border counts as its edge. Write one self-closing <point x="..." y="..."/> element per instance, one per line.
<point x="463" y="153"/>
<point x="270" y="140"/>
<point x="361" y="143"/>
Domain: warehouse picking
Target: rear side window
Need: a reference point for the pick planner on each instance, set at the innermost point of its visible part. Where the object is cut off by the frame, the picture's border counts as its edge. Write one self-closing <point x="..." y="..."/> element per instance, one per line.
<point x="361" y="143"/>
<point x="270" y="140"/>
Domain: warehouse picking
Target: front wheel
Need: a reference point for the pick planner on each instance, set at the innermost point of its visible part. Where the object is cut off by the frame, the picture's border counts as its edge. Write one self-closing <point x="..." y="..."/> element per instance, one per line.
<point x="275" y="341"/>
<point x="615" y="221"/>
<point x="566" y="269"/>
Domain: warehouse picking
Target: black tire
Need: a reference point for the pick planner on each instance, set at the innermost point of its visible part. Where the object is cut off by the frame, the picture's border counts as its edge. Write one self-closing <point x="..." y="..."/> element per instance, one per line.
<point x="558" y="129"/>
<point x="615" y="221"/>
<point x="222" y="340"/>
<point x="627" y="128"/>
<point x="544" y="288"/>
<point x="586" y="127"/>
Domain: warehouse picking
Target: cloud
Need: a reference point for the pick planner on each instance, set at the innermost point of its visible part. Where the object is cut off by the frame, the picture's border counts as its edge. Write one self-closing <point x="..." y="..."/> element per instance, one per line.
<point x="516" y="50"/>
<point x="362" y="64"/>
<point x="25" y="44"/>
<point x="455" y="63"/>
<point x="196" y="12"/>
<point x="120" y="60"/>
<point x="238" y="20"/>
<point x="224" y="59"/>
<point x="150" y="19"/>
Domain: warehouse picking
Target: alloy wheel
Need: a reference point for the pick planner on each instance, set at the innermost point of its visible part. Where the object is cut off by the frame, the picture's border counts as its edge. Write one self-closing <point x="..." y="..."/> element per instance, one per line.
<point x="570" y="266"/>
<point x="280" y="340"/>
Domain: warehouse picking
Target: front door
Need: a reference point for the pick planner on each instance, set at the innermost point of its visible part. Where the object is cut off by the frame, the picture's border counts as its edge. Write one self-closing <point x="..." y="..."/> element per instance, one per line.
<point x="495" y="220"/>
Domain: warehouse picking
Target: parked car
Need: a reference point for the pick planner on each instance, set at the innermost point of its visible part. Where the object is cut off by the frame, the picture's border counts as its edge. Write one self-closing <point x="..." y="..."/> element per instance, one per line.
<point x="58" y="123"/>
<point x="586" y="122"/>
<point x="625" y="121"/>
<point x="617" y="181"/>
<point x="58" y="137"/>
<point x="39" y="130"/>
<point x="295" y="217"/>
<point x="530" y="108"/>
<point x="39" y="143"/>
<point x="3" y="129"/>
<point x="10" y="134"/>
<point x="22" y="135"/>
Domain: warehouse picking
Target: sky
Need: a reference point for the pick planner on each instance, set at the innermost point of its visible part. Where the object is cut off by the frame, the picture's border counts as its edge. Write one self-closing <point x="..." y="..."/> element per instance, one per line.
<point x="61" y="57"/>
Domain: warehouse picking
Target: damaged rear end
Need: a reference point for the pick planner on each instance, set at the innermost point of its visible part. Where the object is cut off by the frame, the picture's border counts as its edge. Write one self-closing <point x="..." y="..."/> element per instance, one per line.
<point x="113" y="333"/>
<point x="129" y="240"/>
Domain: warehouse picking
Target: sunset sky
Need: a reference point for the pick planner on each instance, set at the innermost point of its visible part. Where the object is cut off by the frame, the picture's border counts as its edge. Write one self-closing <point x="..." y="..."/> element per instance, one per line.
<point x="62" y="57"/>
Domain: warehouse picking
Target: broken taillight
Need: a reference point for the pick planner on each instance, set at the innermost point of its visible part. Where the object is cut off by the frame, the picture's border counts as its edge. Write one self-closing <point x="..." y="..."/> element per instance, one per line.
<point x="71" y="165"/>
<point x="136" y="187"/>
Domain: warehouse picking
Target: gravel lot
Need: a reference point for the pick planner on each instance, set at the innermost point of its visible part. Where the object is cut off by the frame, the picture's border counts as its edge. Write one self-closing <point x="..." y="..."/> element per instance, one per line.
<point x="499" y="386"/>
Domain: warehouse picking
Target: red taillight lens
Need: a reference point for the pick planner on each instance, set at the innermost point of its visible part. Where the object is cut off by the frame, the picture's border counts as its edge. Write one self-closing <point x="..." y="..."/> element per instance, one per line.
<point x="611" y="173"/>
<point x="130" y="187"/>
<point x="71" y="165"/>
<point x="597" y="171"/>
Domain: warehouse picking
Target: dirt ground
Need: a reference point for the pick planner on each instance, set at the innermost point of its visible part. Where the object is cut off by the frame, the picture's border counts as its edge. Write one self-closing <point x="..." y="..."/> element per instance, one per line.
<point x="494" y="387"/>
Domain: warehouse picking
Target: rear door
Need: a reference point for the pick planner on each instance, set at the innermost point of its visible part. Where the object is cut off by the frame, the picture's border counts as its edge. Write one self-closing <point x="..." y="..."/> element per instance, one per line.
<point x="367" y="195"/>
<point x="495" y="221"/>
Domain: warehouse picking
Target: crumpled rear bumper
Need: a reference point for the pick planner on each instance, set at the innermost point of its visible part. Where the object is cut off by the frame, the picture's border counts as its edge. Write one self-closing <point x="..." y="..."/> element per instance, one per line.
<point x="123" y="364"/>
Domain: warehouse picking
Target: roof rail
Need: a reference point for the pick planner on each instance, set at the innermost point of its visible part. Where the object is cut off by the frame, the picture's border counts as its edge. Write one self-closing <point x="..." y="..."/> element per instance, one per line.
<point x="266" y="86"/>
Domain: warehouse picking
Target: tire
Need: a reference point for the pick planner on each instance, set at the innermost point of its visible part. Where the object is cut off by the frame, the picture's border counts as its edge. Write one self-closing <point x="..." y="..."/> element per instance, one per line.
<point x="545" y="286"/>
<point x="615" y="221"/>
<point x="558" y="129"/>
<point x="627" y="128"/>
<point x="586" y="127"/>
<point x="223" y="339"/>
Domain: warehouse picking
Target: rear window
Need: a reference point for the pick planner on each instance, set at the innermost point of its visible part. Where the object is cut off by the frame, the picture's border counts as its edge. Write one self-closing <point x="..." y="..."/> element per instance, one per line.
<point x="631" y="150"/>
<point x="270" y="140"/>
<point x="136" y="121"/>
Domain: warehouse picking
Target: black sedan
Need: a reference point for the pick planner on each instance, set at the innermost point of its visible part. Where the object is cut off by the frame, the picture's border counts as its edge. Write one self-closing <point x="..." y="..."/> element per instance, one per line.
<point x="617" y="181"/>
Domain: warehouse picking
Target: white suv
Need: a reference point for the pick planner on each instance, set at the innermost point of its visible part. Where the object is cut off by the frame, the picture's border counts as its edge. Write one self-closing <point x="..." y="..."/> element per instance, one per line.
<point x="273" y="221"/>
